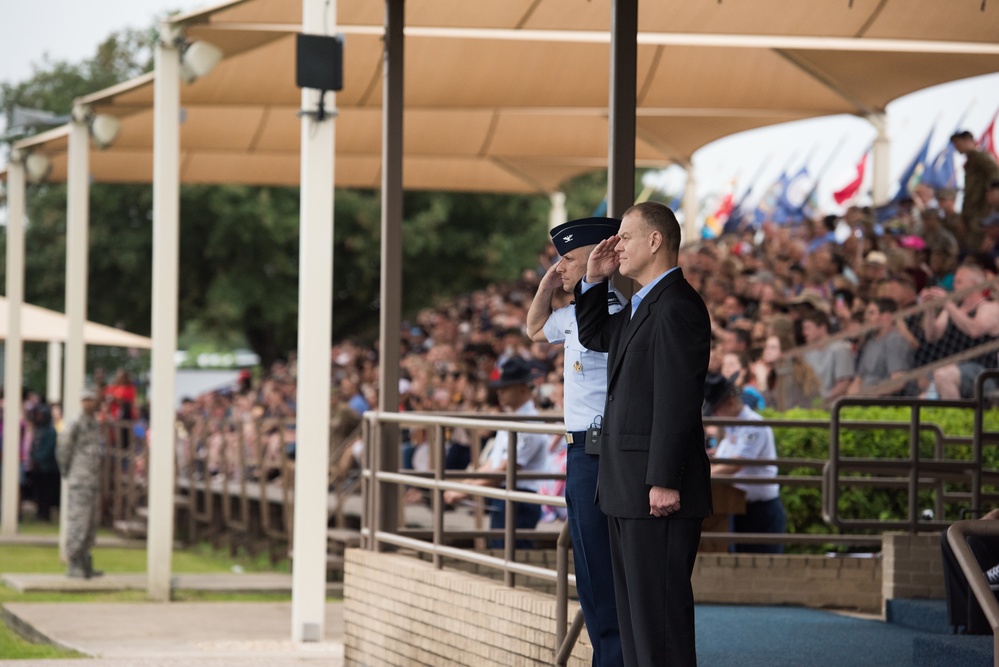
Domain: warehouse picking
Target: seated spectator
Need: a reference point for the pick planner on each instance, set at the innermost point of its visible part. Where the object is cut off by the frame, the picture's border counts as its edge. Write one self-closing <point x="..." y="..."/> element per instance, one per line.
<point x="787" y="383"/>
<point x="737" y="366"/>
<point x="963" y="611"/>
<point x="885" y="354"/>
<point x="961" y="326"/>
<point x="513" y="390"/>
<point x="764" y="510"/>
<point x="832" y="361"/>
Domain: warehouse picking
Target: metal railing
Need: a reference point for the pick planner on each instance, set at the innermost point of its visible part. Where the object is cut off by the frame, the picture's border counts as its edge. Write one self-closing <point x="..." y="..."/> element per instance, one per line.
<point x="378" y="537"/>
<point x="957" y="536"/>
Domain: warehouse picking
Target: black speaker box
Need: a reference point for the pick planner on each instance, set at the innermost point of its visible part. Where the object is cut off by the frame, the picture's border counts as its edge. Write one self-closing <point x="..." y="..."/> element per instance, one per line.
<point x="319" y="62"/>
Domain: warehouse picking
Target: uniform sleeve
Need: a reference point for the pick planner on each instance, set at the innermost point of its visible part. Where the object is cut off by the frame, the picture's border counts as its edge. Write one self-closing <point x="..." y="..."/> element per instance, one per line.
<point x="555" y="326"/>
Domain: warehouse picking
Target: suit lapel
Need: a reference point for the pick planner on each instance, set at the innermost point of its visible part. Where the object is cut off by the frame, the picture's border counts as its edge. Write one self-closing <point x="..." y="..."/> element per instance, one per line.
<point x="639" y="317"/>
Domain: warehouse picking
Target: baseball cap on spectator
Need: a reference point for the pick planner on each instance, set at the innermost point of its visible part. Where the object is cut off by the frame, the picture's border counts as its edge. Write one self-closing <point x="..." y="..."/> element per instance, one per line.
<point x="514" y="371"/>
<point x="912" y="242"/>
<point x="717" y="388"/>
<point x="876" y="257"/>
<point x="583" y="232"/>
<point x="812" y="298"/>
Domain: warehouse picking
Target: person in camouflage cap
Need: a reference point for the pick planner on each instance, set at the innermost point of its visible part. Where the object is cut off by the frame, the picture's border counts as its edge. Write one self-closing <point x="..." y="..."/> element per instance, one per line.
<point x="79" y="462"/>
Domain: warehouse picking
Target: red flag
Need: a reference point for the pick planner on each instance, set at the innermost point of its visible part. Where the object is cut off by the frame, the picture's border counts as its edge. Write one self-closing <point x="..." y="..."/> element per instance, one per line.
<point x="987" y="143"/>
<point x="851" y="189"/>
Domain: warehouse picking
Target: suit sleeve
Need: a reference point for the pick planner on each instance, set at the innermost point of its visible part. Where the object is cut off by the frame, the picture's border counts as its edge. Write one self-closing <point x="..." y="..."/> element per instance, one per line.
<point x="680" y="359"/>
<point x="595" y="324"/>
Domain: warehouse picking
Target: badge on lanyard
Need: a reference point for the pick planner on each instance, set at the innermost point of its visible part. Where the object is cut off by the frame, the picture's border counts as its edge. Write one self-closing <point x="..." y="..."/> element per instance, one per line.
<point x="578" y="367"/>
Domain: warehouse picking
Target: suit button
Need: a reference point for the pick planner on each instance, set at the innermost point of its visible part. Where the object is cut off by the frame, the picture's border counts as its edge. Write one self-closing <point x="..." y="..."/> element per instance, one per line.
<point x="610" y="397"/>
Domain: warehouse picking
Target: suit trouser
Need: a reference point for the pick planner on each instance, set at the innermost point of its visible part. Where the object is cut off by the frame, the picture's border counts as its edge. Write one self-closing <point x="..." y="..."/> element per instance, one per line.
<point x="591" y="555"/>
<point x="653" y="560"/>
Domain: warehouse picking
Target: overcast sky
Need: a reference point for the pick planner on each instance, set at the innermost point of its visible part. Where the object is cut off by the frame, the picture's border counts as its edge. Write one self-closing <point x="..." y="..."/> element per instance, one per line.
<point x="73" y="29"/>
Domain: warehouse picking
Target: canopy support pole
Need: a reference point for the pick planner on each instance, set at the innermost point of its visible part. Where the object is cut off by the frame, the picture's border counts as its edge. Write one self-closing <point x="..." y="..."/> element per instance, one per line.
<point x="622" y="107"/>
<point x="393" y="65"/>
<point x="881" y="156"/>
<point x="77" y="263"/>
<point x="53" y="384"/>
<point x="12" y="361"/>
<point x="166" y="255"/>
<point x="690" y="207"/>
<point x="315" y="299"/>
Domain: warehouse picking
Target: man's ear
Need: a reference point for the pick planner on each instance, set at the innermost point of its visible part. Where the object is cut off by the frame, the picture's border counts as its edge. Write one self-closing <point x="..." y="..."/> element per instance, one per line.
<point x="655" y="241"/>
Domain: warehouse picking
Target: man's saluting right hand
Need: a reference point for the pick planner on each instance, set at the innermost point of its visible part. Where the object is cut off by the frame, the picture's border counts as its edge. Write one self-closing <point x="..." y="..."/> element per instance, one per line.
<point x="603" y="261"/>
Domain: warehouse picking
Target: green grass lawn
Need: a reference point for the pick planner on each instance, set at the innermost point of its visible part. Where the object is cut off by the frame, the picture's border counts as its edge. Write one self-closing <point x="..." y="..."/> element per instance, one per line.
<point x="200" y="558"/>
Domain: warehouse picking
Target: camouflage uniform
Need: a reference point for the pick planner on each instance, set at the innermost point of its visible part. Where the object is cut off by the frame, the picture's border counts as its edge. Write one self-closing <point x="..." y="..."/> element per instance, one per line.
<point x="79" y="463"/>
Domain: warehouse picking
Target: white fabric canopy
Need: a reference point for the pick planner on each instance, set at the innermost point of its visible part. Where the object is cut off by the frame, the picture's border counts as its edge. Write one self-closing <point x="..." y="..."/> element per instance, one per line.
<point x="43" y="325"/>
<point x="513" y="96"/>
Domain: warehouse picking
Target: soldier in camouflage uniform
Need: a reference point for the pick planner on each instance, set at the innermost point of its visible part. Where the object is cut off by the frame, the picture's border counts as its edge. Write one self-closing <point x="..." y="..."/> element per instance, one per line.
<point x="79" y="462"/>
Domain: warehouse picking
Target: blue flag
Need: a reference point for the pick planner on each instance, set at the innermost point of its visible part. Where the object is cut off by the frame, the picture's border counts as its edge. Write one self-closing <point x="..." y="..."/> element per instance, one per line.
<point x="768" y="204"/>
<point x="793" y="200"/>
<point x="913" y="174"/>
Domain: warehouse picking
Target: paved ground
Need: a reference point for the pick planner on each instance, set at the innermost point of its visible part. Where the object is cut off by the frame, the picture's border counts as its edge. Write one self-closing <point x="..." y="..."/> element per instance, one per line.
<point x="264" y="582"/>
<point x="176" y="634"/>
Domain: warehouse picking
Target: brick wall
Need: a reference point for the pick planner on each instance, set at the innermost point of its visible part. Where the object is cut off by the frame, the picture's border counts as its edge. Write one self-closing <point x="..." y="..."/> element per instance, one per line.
<point x="401" y="611"/>
<point x="809" y="581"/>
<point x="913" y="566"/>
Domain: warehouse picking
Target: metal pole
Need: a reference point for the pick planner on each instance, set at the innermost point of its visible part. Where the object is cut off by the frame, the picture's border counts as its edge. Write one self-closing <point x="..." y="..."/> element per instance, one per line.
<point x="315" y="299"/>
<point x="391" y="255"/>
<point x="77" y="244"/>
<point x="10" y="501"/>
<point x="53" y="389"/>
<point x="166" y="240"/>
<point x="623" y="75"/>
<point x="690" y="207"/>
<point x="881" y="156"/>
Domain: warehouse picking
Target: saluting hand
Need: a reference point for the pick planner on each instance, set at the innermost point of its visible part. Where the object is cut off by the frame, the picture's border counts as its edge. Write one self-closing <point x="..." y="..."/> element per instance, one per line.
<point x="603" y="261"/>
<point x="551" y="280"/>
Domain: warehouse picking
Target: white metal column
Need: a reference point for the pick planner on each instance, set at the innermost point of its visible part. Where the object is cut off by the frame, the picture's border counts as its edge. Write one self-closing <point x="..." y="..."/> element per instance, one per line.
<point x="881" y="158"/>
<point x="315" y="298"/>
<point x="166" y="234"/>
<point x="12" y="347"/>
<point x="557" y="214"/>
<point x="77" y="243"/>
<point x="690" y="207"/>
<point x="53" y="393"/>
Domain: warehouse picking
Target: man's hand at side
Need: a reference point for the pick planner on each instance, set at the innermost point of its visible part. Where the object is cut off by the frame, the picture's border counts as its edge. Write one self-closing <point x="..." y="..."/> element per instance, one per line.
<point x="663" y="501"/>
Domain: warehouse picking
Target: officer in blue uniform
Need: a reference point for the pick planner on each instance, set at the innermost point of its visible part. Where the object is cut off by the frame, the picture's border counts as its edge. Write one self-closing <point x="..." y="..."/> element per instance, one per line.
<point x="585" y="393"/>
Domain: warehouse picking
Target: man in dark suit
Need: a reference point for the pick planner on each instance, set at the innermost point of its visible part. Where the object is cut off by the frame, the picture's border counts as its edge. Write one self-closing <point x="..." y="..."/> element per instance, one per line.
<point x="655" y="480"/>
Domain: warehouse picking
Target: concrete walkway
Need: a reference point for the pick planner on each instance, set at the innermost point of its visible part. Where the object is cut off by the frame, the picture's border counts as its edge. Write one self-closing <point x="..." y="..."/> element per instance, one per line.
<point x="175" y="634"/>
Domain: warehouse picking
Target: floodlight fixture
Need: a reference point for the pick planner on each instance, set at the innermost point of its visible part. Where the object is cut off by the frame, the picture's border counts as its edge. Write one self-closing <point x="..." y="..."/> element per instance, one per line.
<point x="199" y="59"/>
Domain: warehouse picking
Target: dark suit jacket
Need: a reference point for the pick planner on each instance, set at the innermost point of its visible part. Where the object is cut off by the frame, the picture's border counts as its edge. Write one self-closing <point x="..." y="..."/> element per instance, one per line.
<point x="652" y="431"/>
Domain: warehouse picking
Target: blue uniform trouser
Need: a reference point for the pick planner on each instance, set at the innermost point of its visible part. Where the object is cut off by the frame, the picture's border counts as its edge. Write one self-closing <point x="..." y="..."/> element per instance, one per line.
<point x="764" y="516"/>
<point x="526" y="515"/>
<point x="592" y="558"/>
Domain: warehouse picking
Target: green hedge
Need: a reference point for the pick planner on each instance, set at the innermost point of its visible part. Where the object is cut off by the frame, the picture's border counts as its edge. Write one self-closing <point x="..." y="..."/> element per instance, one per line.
<point x="803" y="504"/>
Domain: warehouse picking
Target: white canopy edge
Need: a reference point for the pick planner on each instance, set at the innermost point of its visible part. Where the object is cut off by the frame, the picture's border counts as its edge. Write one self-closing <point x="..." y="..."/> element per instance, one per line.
<point x="43" y="325"/>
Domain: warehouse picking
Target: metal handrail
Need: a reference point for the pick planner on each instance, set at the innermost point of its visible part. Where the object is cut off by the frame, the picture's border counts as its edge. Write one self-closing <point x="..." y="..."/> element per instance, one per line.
<point x="957" y="536"/>
<point x="442" y="480"/>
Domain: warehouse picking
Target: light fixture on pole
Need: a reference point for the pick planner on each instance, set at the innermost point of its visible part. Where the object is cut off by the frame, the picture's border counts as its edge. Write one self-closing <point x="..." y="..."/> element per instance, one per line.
<point x="103" y="130"/>
<point x="36" y="167"/>
<point x="198" y="59"/>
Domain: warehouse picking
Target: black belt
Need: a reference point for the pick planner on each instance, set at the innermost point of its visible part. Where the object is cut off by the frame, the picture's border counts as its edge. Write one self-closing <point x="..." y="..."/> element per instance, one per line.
<point x="575" y="437"/>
